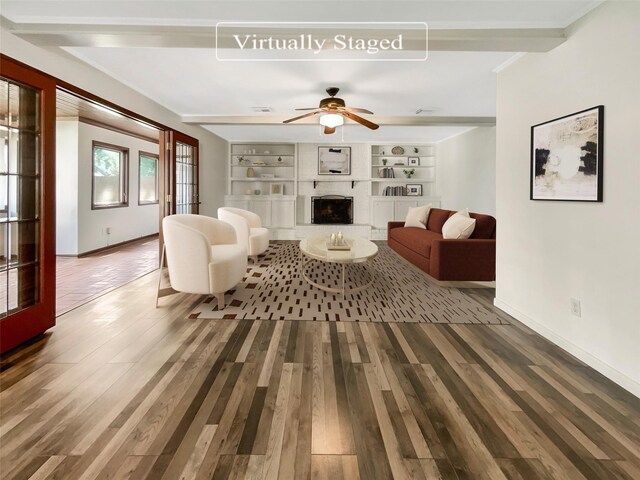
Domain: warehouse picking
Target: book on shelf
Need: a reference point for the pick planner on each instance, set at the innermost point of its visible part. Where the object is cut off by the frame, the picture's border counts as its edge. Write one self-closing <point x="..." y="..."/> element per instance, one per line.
<point x="399" y="191"/>
<point x="386" y="173"/>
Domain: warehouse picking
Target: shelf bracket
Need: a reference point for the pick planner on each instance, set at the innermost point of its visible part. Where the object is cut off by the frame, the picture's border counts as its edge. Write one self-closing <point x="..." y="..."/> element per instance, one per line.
<point x="353" y="184"/>
<point x="315" y="183"/>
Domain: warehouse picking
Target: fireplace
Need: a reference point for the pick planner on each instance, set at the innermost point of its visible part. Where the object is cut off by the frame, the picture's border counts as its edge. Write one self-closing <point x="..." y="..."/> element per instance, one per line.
<point x="332" y="209"/>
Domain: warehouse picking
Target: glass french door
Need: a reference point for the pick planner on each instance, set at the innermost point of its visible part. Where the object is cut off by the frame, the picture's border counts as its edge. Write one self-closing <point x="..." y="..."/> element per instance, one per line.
<point x="181" y="174"/>
<point x="186" y="178"/>
<point x="27" y="203"/>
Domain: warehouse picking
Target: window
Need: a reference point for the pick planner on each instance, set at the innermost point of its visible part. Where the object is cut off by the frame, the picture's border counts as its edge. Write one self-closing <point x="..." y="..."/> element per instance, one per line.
<point x="147" y="178"/>
<point x="110" y="174"/>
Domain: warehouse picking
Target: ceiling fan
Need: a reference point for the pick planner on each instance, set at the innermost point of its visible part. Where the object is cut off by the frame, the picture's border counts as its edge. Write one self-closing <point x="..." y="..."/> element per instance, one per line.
<point x="332" y="111"/>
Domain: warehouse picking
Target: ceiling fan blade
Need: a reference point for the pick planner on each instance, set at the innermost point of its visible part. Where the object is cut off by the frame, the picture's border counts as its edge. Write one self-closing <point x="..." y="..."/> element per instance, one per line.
<point x="329" y="130"/>
<point x="312" y="108"/>
<point x="360" y="120"/>
<point x="302" y="116"/>
<point x="359" y="110"/>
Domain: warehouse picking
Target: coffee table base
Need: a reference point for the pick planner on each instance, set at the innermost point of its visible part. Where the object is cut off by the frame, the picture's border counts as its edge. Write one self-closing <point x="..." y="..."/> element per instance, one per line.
<point x="344" y="289"/>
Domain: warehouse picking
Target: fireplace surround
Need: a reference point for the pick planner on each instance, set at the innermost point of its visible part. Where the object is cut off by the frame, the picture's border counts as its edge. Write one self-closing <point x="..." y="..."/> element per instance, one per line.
<point x="332" y="210"/>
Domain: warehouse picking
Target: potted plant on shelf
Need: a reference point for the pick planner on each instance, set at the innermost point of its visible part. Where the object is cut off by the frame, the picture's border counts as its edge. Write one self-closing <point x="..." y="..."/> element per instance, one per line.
<point x="410" y="172"/>
<point x="384" y="161"/>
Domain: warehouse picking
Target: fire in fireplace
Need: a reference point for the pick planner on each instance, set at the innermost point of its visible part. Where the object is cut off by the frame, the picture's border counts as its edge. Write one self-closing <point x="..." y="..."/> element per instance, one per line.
<point x="332" y="209"/>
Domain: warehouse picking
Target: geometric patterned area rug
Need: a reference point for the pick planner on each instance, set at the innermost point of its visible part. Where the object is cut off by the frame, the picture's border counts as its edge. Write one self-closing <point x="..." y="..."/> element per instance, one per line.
<point x="274" y="289"/>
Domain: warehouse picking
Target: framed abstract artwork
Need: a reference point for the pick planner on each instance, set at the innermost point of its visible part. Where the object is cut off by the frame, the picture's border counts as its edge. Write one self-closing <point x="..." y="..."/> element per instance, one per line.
<point x="334" y="160"/>
<point x="566" y="157"/>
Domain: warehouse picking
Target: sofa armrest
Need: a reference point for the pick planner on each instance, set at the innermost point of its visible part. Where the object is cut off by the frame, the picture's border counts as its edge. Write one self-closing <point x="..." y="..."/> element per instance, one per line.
<point x="391" y="225"/>
<point x="463" y="260"/>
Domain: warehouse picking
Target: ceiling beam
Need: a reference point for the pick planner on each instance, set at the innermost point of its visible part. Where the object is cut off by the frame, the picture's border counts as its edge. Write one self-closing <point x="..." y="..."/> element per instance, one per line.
<point x="380" y="120"/>
<point x="162" y="36"/>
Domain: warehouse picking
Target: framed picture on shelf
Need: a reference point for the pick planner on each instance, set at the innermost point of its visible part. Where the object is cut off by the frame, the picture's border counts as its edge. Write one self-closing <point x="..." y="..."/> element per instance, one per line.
<point x="334" y="160"/>
<point x="566" y="157"/>
<point x="414" y="190"/>
<point x="413" y="161"/>
<point x="277" y="189"/>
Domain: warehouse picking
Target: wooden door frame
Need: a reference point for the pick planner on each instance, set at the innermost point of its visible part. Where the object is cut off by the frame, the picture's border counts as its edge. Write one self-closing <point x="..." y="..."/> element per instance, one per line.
<point x="10" y="68"/>
<point x="167" y="168"/>
<point x="195" y="143"/>
<point x="21" y="326"/>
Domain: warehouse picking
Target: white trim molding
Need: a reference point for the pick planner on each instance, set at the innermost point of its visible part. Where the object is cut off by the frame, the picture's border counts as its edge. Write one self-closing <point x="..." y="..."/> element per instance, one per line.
<point x="608" y="371"/>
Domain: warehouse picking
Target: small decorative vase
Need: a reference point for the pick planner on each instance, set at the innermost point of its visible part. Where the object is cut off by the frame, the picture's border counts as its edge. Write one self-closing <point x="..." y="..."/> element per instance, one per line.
<point x="332" y="239"/>
<point x="257" y="191"/>
<point x="339" y="239"/>
<point x="279" y="159"/>
<point x="248" y="191"/>
<point x="384" y="161"/>
<point x="250" y="172"/>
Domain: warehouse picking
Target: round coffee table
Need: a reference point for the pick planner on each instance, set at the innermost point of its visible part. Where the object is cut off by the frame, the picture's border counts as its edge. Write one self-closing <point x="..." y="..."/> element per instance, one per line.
<point x="315" y="248"/>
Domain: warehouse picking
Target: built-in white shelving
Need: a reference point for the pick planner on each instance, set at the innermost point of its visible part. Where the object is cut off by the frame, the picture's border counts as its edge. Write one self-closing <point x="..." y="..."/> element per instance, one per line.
<point x="255" y="168"/>
<point x="262" y="178"/>
<point x="389" y="163"/>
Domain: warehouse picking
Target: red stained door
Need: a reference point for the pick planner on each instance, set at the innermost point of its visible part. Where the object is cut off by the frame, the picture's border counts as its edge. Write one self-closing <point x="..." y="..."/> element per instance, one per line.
<point x="27" y="203"/>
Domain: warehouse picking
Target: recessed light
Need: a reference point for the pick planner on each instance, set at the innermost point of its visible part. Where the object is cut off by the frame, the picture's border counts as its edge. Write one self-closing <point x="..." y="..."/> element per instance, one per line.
<point x="424" y="111"/>
<point x="262" y="109"/>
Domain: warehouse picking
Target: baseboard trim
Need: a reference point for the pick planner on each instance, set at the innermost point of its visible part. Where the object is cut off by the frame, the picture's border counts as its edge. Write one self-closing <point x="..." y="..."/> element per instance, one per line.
<point x="108" y="247"/>
<point x="605" y="369"/>
<point x="464" y="284"/>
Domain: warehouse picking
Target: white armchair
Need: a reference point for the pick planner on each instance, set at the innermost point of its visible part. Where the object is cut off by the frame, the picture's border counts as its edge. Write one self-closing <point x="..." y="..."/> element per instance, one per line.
<point x="249" y="230"/>
<point x="203" y="255"/>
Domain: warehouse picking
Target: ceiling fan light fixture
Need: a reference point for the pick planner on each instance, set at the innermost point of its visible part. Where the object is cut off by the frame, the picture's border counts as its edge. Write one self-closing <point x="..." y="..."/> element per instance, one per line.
<point x="331" y="120"/>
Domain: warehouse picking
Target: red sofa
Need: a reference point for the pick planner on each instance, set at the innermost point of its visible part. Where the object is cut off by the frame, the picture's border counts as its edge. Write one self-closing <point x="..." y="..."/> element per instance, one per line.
<point x="472" y="259"/>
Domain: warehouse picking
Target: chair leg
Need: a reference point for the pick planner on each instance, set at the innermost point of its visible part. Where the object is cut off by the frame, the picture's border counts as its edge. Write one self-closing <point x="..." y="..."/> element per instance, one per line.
<point x="160" y="275"/>
<point x="220" y="297"/>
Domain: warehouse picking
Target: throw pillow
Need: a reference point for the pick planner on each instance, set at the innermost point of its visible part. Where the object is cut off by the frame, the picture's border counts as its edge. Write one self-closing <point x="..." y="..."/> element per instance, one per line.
<point x="459" y="225"/>
<point x="417" y="216"/>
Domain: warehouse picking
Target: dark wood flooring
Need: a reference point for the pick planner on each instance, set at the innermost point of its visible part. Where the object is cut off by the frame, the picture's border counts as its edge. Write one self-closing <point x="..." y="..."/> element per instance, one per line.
<point x="121" y="390"/>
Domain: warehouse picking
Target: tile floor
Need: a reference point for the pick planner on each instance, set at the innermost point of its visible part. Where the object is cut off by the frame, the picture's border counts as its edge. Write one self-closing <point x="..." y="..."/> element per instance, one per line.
<point x="80" y="280"/>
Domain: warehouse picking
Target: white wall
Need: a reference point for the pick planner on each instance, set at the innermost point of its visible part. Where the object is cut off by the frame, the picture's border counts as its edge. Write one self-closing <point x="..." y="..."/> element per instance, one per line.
<point x="548" y="251"/>
<point x="213" y="149"/>
<point x="79" y="229"/>
<point x="67" y="187"/>
<point x="466" y="166"/>
<point x="126" y="223"/>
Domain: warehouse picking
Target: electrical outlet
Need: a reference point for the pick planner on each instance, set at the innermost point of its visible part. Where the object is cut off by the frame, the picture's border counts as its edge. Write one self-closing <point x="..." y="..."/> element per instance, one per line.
<point x="575" y="307"/>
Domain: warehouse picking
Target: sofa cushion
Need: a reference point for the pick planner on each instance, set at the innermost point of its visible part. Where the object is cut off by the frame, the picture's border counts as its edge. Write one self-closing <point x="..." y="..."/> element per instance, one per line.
<point x="485" y="226"/>
<point x="437" y="217"/>
<point x="459" y="226"/>
<point x="415" y="239"/>
<point x="417" y="216"/>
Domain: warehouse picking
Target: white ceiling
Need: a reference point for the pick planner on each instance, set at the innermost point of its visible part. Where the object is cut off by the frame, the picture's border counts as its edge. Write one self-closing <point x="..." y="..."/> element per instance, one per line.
<point x="192" y="82"/>
<point x="346" y="134"/>
<point x="439" y="14"/>
<point x="450" y="83"/>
